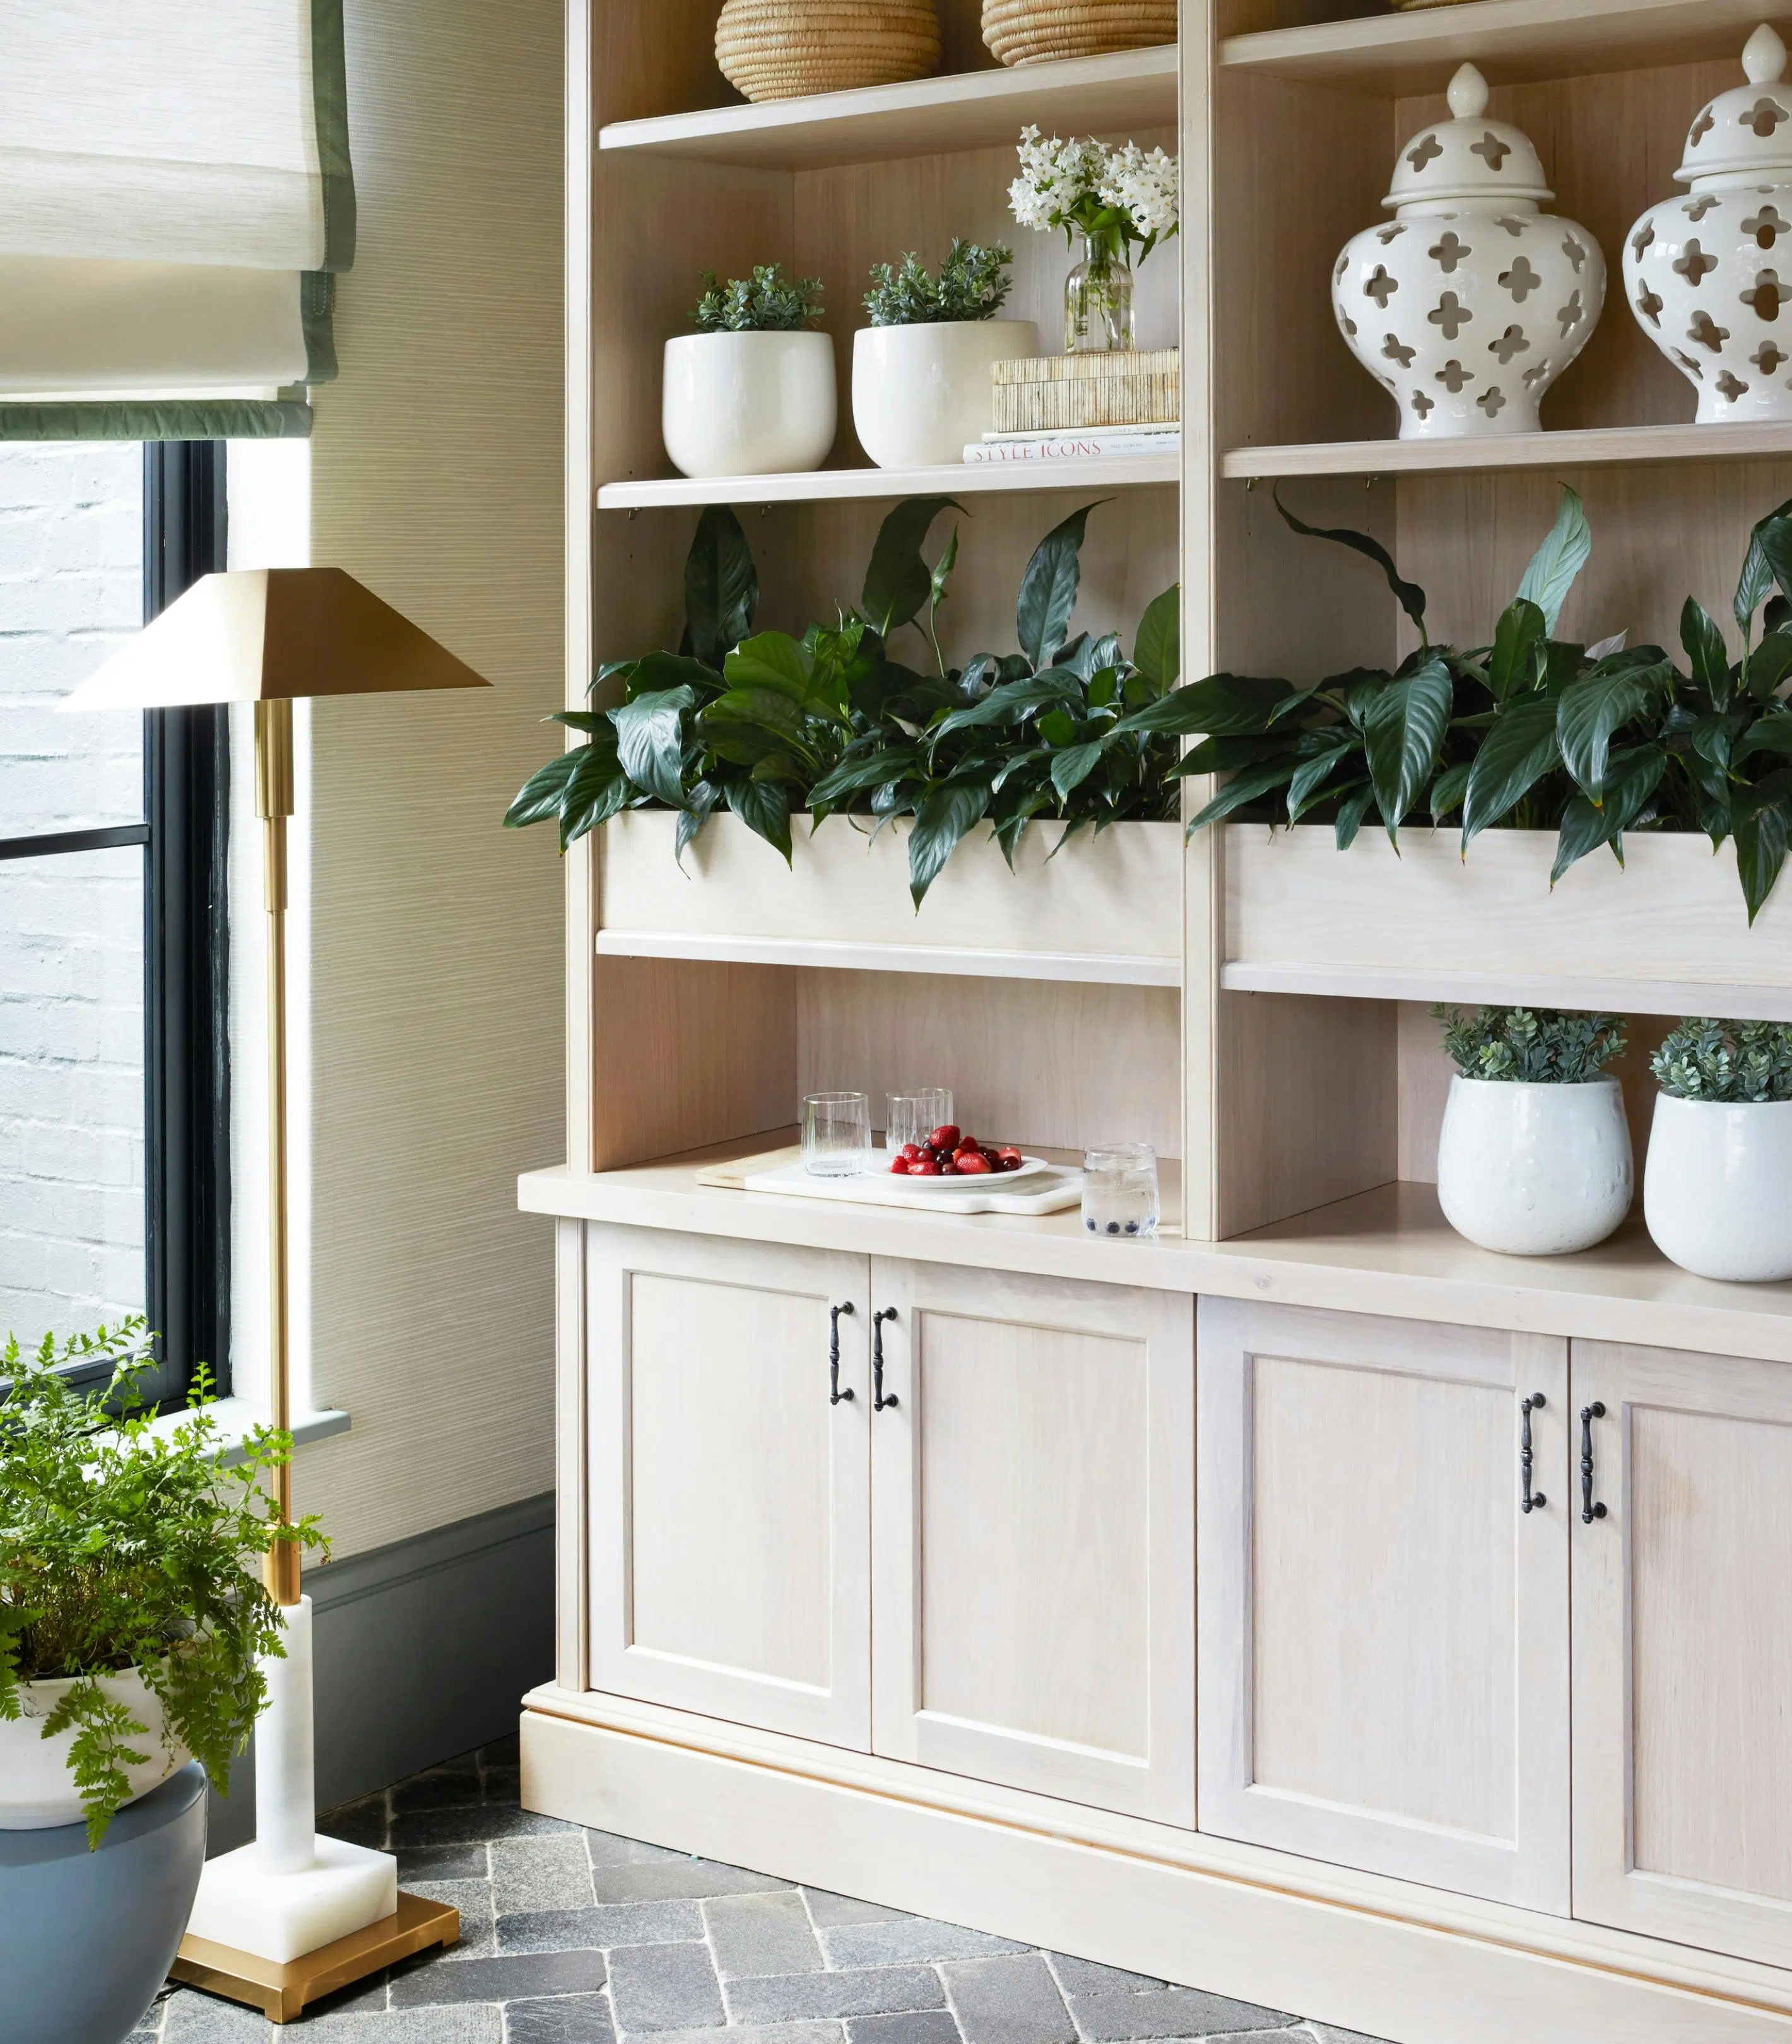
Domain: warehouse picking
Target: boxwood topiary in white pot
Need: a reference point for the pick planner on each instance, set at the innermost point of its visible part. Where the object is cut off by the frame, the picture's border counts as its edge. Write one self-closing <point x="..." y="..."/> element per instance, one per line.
<point x="1717" y="1185"/>
<point x="753" y="391"/>
<point x="1534" y="1158"/>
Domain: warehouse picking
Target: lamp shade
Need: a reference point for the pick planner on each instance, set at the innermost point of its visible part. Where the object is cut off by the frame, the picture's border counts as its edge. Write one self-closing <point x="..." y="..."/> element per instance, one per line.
<point x="261" y="633"/>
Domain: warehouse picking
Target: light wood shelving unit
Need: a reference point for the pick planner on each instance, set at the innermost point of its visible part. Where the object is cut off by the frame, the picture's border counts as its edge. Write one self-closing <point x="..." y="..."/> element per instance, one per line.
<point x="1429" y="1826"/>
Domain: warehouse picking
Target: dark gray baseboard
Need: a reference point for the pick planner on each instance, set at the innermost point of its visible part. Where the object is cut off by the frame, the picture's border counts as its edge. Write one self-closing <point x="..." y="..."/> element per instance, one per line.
<point x="422" y="1650"/>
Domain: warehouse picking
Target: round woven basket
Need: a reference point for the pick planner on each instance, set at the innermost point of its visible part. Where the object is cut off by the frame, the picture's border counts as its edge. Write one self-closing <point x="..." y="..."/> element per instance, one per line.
<point x="783" y="49"/>
<point x="1023" y="31"/>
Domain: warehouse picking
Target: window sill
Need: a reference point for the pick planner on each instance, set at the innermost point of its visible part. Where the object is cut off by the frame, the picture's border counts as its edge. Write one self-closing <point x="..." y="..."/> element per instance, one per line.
<point x="237" y="1418"/>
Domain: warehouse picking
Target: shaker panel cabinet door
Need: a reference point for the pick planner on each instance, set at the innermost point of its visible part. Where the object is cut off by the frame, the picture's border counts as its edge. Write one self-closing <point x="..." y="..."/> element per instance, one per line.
<point x="1383" y="1627"/>
<point x="1682" y="1648"/>
<point x="1033" y="1500"/>
<point x="729" y="1512"/>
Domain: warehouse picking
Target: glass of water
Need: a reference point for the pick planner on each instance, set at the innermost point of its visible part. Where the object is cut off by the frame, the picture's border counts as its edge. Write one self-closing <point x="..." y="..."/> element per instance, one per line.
<point x="1120" y="1190"/>
<point x="836" y="1134"/>
<point x="912" y="1115"/>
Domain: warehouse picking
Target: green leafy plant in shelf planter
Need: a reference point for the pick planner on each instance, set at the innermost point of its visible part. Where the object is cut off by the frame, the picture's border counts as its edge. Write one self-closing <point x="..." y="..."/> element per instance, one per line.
<point x="1728" y="1063"/>
<point x="1532" y="731"/>
<point x="973" y="284"/>
<point x="1530" y="1046"/>
<point x="766" y="302"/>
<point x="767" y="724"/>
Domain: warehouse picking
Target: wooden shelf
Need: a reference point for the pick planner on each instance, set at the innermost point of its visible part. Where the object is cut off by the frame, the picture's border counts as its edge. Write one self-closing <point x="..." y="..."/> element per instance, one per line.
<point x="1604" y="448"/>
<point x="1073" y="968"/>
<point x="1510" y="40"/>
<point x="824" y="485"/>
<point x="975" y="109"/>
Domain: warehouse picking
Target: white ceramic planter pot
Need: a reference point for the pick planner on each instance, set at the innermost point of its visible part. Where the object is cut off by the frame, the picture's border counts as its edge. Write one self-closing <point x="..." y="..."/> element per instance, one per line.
<point x="1717" y="1188"/>
<point x="921" y="393"/>
<point x="36" y="1788"/>
<point x="748" y="404"/>
<point x="1534" y="1170"/>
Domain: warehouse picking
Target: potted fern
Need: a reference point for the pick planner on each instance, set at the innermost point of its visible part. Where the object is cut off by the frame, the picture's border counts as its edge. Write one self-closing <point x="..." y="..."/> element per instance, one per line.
<point x="1534" y="1157"/>
<point x="922" y="386"/>
<point x="132" y="1634"/>
<point x="1717" y="1185"/>
<point x="751" y="392"/>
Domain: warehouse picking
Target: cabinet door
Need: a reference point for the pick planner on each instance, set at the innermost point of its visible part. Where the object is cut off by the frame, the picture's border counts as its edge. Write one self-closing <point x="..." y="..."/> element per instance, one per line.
<point x="1682" y="1649"/>
<point x="1033" y="1598"/>
<point x="730" y="1505"/>
<point x="1384" y="1631"/>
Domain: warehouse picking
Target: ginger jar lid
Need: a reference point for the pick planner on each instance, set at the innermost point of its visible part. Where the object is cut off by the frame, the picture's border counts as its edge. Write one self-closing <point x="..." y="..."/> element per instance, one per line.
<point x="1468" y="157"/>
<point x="1749" y="130"/>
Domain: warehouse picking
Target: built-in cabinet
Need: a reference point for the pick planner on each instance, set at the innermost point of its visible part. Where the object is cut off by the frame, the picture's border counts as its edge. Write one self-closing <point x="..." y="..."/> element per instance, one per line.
<point x="938" y="1514"/>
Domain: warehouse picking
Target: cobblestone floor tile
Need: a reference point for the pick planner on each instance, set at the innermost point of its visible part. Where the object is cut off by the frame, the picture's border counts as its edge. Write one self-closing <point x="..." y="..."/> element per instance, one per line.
<point x="664" y="1987"/>
<point x="762" y="1935"/>
<point x="1174" y="2011"/>
<point x="1008" y="2001"/>
<point x="563" y="2018"/>
<point x="539" y="1873"/>
<point x="593" y="1930"/>
<point x="1085" y="1977"/>
<point x="909" y="1937"/>
<point x="831" y="1910"/>
<point x="481" y="2024"/>
<point x="665" y="1881"/>
<point x="920" y="2025"/>
<point x="507" y="1976"/>
<point x="869" y="1991"/>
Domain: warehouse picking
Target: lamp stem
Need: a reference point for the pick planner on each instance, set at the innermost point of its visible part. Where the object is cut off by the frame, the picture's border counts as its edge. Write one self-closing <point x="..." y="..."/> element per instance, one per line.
<point x="274" y="804"/>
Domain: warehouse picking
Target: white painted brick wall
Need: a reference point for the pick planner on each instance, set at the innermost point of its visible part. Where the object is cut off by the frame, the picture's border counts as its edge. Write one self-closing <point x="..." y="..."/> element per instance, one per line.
<point x="71" y="1160"/>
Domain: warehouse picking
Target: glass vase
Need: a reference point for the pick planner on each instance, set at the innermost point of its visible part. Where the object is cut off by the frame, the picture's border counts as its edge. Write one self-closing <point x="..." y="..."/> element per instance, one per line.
<point x="1098" y="301"/>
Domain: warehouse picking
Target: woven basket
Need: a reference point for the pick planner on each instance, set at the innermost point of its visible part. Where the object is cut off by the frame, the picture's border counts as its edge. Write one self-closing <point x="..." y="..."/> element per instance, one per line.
<point x="1023" y="31"/>
<point x="783" y="49"/>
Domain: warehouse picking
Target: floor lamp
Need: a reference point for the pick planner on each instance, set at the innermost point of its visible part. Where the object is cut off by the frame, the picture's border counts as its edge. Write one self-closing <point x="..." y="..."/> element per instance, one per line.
<point x="294" y="1915"/>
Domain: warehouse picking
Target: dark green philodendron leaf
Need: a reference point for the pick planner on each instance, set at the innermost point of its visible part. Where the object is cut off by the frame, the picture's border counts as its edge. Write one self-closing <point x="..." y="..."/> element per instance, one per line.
<point x="1631" y="783"/>
<point x="1769" y="665"/>
<point x="1772" y="733"/>
<point x="1048" y="588"/>
<point x="1514" y="756"/>
<point x="1403" y="734"/>
<point x="649" y="742"/>
<point x="587" y="721"/>
<point x="872" y="770"/>
<point x="1157" y="643"/>
<point x="1448" y="789"/>
<point x="1351" y="812"/>
<point x="540" y="795"/>
<point x="1243" y="788"/>
<point x="1773" y="537"/>
<point x="1072" y="766"/>
<point x="764" y="807"/>
<point x="721" y="586"/>
<point x="942" y="818"/>
<point x="1561" y="557"/>
<point x="1706" y="654"/>
<point x="1308" y="786"/>
<point x="1591" y="711"/>
<point x="703" y="797"/>
<point x="1759" y="828"/>
<point x="1011" y="702"/>
<point x="1219" y="706"/>
<point x="598" y="789"/>
<point x="1410" y="596"/>
<point x="772" y="660"/>
<point x="1515" y="665"/>
<point x="898" y="580"/>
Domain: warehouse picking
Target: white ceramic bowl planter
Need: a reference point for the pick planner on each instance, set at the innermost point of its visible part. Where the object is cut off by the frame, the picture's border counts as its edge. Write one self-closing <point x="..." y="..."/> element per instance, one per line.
<point x="1470" y="302"/>
<point x="37" y="1788"/>
<point x="1702" y="274"/>
<point x="1717" y="1187"/>
<point x="748" y="404"/>
<point x="921" y="393"/>
<point x="1534" y="1170"/>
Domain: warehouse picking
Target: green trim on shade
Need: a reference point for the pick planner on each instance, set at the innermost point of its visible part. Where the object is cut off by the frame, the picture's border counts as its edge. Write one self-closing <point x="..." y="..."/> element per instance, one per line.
<point x="329" y="98"/>
<point x="158" y="419"/>
<point x="316" y="306"/>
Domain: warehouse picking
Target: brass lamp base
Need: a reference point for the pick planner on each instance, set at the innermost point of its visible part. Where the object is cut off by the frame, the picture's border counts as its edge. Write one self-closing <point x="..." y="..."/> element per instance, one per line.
<point x="281" y="1992"/>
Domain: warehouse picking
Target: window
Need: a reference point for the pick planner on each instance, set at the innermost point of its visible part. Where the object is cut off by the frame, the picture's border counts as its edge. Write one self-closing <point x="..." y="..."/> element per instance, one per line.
<point x="114" y="1121"/>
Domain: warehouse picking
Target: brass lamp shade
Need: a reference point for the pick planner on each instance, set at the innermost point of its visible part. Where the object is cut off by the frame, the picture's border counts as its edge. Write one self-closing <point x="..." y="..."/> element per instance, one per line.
<point x="258" y="635"/>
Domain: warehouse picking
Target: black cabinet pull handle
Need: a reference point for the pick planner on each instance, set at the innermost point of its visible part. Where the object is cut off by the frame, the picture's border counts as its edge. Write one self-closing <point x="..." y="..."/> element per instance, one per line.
<point x="1533" y="1501"/>
<point x="879" y="1401"/>
<point x="835" y="1396"/>
<point x="1589" y="1511"/>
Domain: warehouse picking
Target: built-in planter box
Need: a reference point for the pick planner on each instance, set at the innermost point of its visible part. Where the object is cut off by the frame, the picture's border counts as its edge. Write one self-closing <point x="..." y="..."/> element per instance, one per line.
<point x="1666" y="933"/>
<point x="1107" y="908"/>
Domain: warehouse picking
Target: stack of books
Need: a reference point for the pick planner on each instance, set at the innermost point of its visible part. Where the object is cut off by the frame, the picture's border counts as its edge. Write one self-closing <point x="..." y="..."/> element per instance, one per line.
<point x="1070" y="407"/>
<point x="1075" y="445"/>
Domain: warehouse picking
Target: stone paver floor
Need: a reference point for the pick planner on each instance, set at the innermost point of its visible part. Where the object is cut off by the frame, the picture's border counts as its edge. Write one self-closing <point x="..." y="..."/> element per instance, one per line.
<point x="574" y="1937"/>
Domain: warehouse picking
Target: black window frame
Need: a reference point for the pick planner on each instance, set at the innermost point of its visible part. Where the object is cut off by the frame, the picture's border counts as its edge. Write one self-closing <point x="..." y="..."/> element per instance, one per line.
<point x="184" y="834"/>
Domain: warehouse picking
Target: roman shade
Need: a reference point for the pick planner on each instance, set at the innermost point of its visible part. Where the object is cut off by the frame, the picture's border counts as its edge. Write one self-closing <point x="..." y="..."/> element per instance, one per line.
<point x="176" y="199"/>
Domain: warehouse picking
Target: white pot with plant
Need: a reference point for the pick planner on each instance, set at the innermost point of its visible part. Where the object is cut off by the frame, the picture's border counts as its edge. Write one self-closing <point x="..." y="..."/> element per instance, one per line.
<point x="132" y="1636"/>
<point x="753" y="391"/>
<point x="1534" y="1157"/>
<point x="921" y="385"/>
<point x="1717" y="1185"/>
<point x="1113" y="198"/>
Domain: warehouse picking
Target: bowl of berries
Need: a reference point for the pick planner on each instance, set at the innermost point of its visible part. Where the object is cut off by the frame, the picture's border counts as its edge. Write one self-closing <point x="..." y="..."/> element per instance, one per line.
<point x="948" y="1158"/>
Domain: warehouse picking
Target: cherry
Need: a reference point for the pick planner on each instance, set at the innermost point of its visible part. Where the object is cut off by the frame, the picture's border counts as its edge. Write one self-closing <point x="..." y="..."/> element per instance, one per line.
<point x="949" y="1170"/>
<point x="944" y="1137"/>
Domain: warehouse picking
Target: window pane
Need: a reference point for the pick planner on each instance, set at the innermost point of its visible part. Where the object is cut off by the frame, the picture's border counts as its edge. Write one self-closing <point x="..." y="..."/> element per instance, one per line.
<point x="70" y="586"/>
<point x="71" y="1026"/>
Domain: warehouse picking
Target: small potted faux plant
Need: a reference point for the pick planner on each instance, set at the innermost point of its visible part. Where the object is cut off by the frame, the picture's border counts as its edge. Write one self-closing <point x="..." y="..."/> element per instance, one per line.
<point x="921" y="387"/>
<point x="751" y="392"/>
<point x="1534" y="1158"/>
<point x="131" y="1639"/>
<point x="1717" y="1185"/>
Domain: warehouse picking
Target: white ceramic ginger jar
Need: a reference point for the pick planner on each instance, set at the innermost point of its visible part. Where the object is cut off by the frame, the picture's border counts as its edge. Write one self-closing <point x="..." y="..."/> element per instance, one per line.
<point x="1470" y="302"/>
<point x="1534" y="1170"/>
<point x="1703" y="273"/>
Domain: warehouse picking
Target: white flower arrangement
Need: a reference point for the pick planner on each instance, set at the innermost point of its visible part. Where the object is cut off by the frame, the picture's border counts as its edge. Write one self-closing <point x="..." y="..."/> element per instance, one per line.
<point x="1116" y="196"/>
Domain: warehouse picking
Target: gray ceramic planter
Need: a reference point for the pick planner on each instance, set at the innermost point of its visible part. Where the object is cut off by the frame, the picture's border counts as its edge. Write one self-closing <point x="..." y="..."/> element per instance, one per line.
<point x="87" y="1938"/>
